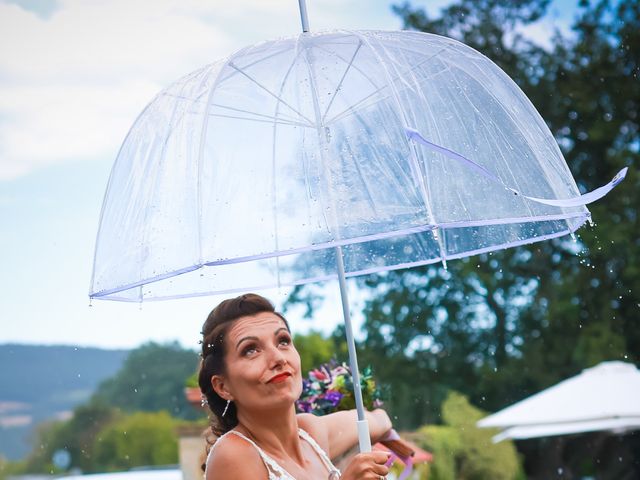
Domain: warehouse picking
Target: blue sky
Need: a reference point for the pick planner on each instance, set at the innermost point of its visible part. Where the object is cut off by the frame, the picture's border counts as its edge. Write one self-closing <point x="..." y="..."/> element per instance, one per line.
<point x="73" y="76"/>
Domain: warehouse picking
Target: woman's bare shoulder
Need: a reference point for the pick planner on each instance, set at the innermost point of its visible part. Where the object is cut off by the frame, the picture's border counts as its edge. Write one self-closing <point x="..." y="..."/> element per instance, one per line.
<point x="234" y="457"/>
<point x="309" y="422"/>
<point x="314" y="426"/>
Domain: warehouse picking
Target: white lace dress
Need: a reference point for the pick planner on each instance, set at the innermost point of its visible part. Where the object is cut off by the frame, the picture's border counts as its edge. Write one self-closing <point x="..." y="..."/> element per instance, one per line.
<point x="276" y="472"/>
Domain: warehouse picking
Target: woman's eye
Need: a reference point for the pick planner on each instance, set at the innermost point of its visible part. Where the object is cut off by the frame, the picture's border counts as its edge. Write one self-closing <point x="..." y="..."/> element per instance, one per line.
<point x="284" y="341"/>
<point x="250" y="350"/>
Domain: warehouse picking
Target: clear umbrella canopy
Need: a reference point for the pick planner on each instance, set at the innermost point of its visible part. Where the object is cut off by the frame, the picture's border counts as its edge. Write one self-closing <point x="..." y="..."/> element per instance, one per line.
<point x="404" y="148"/>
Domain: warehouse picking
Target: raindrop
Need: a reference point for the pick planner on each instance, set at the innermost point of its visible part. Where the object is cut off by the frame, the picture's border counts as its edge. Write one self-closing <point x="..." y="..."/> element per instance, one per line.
<point x="607" y="117"/>
<point x="573" y="237"/>
<point x="560" y="470"/>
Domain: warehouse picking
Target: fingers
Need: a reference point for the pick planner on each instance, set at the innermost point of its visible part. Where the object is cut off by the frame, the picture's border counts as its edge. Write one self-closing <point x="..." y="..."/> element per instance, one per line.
<point x="381" y="470"/>
<point x="371" y="465"/>
<point x="380" y="456"/>
<point x="374" y="456"/>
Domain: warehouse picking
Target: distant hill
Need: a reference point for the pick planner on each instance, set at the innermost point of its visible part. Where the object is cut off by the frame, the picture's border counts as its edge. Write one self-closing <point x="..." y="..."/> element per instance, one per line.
<point x="39" y="383"/>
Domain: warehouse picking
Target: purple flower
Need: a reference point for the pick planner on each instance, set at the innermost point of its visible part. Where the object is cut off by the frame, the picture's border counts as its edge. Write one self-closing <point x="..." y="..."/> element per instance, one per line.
<point x="334" y="397"/>
<point x="304" y="407"/>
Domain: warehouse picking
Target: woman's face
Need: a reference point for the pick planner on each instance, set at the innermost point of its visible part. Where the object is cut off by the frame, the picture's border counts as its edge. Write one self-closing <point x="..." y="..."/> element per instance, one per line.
<point x="262" y="365"/>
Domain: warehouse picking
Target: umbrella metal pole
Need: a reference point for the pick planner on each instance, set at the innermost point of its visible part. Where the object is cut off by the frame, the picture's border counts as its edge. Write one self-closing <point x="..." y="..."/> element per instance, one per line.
<point x="303" y="15"/>
<point x="364" y="439"/>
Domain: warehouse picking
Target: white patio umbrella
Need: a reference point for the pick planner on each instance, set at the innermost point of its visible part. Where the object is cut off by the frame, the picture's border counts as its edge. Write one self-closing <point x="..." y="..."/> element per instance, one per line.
<point x="323" y="156"/>
<point x="604" y="397"/>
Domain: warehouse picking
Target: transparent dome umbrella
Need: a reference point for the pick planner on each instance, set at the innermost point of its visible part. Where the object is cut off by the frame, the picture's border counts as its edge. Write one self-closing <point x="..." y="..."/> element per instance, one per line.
<point x="328" y="155"/>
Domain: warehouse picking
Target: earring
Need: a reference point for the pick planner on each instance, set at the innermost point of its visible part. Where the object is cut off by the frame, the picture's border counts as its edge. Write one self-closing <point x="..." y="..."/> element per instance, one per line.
<point x="226" y="408"/>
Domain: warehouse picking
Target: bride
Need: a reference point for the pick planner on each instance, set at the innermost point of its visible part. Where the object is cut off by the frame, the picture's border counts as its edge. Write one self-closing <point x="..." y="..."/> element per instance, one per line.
<point x="250" y="376"/>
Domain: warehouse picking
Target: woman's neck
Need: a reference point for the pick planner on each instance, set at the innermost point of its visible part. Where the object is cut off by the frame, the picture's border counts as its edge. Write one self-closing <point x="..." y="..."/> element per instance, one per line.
<point x="274" y="432"/>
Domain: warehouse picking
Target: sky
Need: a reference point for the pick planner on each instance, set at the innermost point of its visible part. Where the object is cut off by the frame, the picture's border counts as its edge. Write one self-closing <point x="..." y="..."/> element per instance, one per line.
<point x="74" y="74"/>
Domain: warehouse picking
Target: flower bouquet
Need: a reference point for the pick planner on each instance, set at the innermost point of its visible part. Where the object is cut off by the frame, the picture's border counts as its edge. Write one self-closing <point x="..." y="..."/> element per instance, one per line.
<point x="329" y="389"/>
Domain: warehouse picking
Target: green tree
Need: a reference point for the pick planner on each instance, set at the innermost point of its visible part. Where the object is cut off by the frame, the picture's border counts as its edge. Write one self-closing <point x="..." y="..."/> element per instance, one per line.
<point x="10" y="469"/>
<point x="152" y="379"/>
<point x="461" y="450"/>
<point x="140" y="439"/>
<point x="499" y="327"/>
<point x="314" y="349"/>
<point x="75" y="435"/>
<point x="493" y="316"/>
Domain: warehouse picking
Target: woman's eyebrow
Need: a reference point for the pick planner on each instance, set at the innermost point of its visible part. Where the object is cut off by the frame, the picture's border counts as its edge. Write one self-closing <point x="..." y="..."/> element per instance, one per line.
<point x="245" y="338"/>
<point x="279" y="330"/>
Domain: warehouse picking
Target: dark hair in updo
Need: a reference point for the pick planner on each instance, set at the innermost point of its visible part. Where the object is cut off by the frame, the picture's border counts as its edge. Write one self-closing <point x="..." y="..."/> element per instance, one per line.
<point x="214" y="332"/>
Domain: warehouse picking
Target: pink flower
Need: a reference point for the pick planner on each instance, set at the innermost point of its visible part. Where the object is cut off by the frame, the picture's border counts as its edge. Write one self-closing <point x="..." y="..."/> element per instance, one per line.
<point x="318" y="375"/>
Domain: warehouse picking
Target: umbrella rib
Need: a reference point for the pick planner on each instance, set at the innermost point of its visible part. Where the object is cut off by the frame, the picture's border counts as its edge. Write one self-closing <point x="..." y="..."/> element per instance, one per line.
<point x="231" y="74"/>
<point x="260" y="120"/>
<point x="287" y="121"/>
<point x="365" y="184"/>
<point x="415" y="165"/>
<point x="273" y="164"/>
<point x="349" y="65"/>
<point x="232" y="65"/>
<point x="355" y="106"/>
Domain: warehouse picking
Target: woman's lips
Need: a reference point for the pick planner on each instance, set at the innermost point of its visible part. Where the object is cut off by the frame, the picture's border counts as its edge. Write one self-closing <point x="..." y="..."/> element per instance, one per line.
<point x="279" y="378"/>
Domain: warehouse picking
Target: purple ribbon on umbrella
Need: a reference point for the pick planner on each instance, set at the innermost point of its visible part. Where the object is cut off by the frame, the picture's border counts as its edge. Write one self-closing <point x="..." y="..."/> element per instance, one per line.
<point x="580" y="200"/>
<point x="408" y="461"/>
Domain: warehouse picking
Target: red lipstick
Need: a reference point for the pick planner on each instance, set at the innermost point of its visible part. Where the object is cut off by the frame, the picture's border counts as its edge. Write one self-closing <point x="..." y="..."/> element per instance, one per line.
<point x="281" y="377"/>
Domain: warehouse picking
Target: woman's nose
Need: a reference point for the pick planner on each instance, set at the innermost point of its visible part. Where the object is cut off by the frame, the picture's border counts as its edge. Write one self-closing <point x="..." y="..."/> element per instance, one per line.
<point x="277" y="357"/>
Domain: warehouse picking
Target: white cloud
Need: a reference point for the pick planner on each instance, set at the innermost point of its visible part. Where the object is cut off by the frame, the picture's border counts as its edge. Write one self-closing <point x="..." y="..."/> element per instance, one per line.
<point x="542" y="32"/>
<point x="71" y="86"/>
<point x="50" y="124"/>
<point x="89" y="41"/>
<point x="73" y="81"/>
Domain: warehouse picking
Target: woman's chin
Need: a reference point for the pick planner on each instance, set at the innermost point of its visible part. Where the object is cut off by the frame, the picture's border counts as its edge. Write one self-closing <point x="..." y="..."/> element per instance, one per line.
<point x="282" y="400"/>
